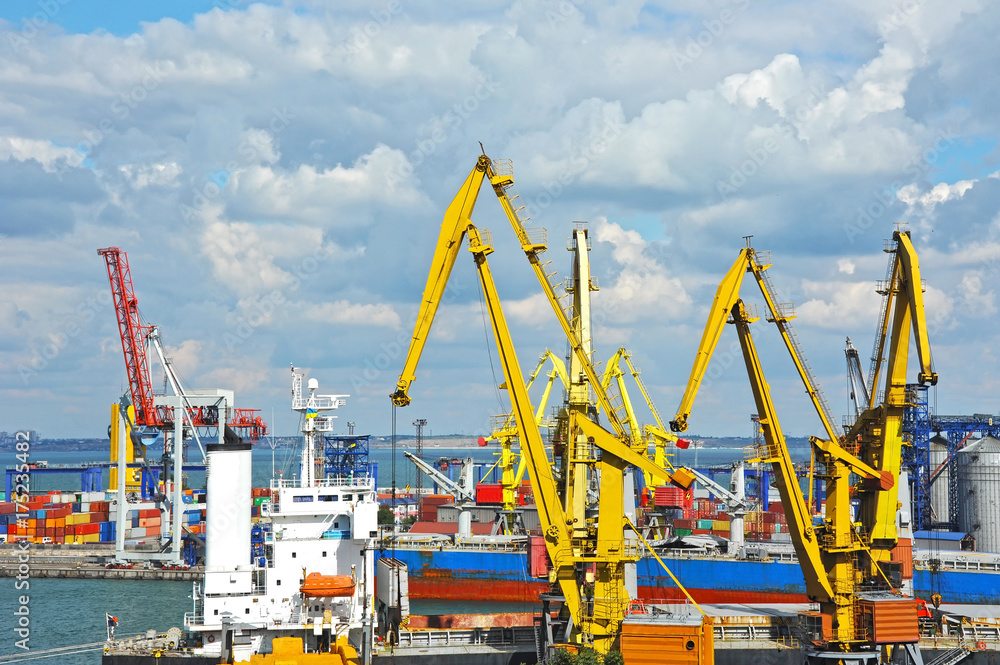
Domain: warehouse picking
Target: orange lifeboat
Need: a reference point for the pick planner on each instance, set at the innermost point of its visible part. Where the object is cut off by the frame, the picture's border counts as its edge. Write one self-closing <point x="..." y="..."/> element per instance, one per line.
<point x="324" y="586"/>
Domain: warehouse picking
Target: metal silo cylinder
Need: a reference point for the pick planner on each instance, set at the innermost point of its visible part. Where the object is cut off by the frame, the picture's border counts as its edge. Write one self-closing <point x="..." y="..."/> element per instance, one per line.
<point x="979" y="492"/>
<point x="940" y="498"/>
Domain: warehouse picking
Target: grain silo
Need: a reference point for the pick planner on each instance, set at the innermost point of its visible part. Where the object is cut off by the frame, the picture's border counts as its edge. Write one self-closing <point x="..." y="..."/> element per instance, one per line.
<point x="979" y="492"/>
<point x="940" y="496"/>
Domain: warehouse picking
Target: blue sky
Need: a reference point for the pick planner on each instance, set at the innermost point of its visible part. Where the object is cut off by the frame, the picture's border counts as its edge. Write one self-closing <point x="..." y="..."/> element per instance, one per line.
<point x="114" y="16"/>
<point x="672" y="128"/>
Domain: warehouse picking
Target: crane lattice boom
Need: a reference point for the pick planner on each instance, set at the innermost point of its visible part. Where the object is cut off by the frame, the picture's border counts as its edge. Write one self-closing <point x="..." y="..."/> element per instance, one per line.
<point x="133" y="334"/>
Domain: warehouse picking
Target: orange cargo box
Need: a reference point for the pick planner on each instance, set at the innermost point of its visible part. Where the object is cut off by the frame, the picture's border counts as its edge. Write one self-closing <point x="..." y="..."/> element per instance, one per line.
<point x="645" y="643"/>
<point x="903" y="555"/>
<point x="890" y="621"/>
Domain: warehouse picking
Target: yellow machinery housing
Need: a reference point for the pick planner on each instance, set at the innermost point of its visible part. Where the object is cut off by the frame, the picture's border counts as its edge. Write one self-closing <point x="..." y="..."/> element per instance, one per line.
<point x="121" y="427"/>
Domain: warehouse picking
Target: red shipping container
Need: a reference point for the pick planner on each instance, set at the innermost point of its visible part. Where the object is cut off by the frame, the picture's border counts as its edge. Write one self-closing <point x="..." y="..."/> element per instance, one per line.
<point x="669" y="496"/>
<point x="538" y="557"/>
<point x="701" y="532"/>
<point x="489" y="493"/>
<point x="7" y="508"/>
<point x="88" y="528"/>
<point x="437" y="499"/>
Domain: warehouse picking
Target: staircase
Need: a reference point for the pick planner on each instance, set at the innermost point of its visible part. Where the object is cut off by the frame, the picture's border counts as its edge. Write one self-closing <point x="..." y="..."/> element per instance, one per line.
<point x="949" y="657"/>
<point x="885" y="289"/>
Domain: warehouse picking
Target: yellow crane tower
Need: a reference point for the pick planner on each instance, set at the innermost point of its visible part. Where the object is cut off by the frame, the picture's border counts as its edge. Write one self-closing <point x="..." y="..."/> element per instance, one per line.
<point x="861" y="610"/>
<point x="588" y="554"/>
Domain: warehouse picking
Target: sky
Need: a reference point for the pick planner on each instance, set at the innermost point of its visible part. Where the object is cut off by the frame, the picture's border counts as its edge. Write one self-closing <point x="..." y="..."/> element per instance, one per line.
<point x="277" y="174"/>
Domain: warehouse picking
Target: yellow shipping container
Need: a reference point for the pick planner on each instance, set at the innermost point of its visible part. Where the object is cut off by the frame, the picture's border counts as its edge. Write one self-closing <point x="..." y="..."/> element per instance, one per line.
<point x="720" y="525"/>
<point x="91" y="537"/>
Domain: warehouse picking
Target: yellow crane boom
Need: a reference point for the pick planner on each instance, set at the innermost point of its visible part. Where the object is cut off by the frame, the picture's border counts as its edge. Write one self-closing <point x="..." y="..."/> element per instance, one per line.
<point x="781" y="314"/>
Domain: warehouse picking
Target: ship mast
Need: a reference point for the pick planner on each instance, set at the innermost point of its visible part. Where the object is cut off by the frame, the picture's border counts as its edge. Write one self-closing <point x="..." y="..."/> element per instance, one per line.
<point x="312" y="407"/>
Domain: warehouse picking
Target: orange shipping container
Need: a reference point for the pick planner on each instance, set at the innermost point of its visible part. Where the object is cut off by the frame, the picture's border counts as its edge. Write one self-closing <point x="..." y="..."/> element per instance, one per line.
<point x="890" y="621"/>
<point x="903" y="555"/>
<point x="677" y="644"/>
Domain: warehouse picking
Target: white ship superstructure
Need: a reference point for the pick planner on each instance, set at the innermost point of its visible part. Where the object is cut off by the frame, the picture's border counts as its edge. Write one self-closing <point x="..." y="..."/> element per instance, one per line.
<point x="315" y="579"/>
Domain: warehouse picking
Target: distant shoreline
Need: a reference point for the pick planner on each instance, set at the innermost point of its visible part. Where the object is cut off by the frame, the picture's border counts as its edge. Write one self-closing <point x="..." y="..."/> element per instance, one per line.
<point x="408" y="442"/>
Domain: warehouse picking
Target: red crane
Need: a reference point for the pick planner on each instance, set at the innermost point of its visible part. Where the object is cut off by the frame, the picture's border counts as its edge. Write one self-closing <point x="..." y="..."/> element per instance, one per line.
<point x="245" y="422"/>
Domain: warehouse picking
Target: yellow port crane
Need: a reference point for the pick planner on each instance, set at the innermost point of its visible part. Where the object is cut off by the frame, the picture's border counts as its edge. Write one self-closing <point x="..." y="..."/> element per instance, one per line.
<point x="588" y="553"/>
<point x="842" y="560"/>
<point x="878" y="431"/>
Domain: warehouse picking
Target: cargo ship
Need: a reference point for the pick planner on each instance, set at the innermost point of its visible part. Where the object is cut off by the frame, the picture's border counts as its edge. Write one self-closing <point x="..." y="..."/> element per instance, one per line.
<point x="694" y="537"/>
<point x="300" y="585"/>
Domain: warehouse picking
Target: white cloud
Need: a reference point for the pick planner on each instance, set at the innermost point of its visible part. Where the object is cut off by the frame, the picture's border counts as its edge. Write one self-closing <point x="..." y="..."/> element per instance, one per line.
<point x="49" y="155"/>
<point x="144" y="175"/>
<point x="839" y="305"/>
<point x="319" y="196"/>
<point x="643" y="287"/>
<point x="354" y="314"/>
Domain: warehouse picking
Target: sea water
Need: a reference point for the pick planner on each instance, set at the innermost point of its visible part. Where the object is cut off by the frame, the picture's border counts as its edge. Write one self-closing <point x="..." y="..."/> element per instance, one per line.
<point x="65" y="612"/>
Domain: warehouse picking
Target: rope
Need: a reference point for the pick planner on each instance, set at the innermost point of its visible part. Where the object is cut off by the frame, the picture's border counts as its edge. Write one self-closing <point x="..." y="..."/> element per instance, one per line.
<point x="52" y="653"/>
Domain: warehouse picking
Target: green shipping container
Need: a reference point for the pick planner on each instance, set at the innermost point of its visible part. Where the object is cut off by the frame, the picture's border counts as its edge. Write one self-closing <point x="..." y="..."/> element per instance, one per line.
<point x="258" y="500"/>
<point x="683" y="532"/>
<point x="704" y="524"/>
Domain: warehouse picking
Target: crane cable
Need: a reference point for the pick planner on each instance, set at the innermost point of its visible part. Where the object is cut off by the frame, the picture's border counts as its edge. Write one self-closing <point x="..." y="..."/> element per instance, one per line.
<point x="657" y="557"/>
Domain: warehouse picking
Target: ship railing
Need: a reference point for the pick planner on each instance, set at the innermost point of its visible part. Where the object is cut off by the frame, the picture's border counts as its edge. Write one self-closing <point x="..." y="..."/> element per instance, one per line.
<point x="439" y="543"/>
<point x="473" y="636"/>
<point x="360" y="479"/>
<point x="755" y="628"/>
<point x="193" y="619"/>
<point x="948" y="563"/>
<point x="319" y="402"/>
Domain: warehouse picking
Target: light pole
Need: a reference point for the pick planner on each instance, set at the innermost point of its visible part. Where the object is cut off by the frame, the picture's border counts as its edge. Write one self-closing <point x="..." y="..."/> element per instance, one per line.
<point x="419" y="424"/>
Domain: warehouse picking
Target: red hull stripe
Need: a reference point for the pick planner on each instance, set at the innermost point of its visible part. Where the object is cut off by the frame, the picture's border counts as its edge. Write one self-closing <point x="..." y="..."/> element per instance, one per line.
<point x="524" y="591"/>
